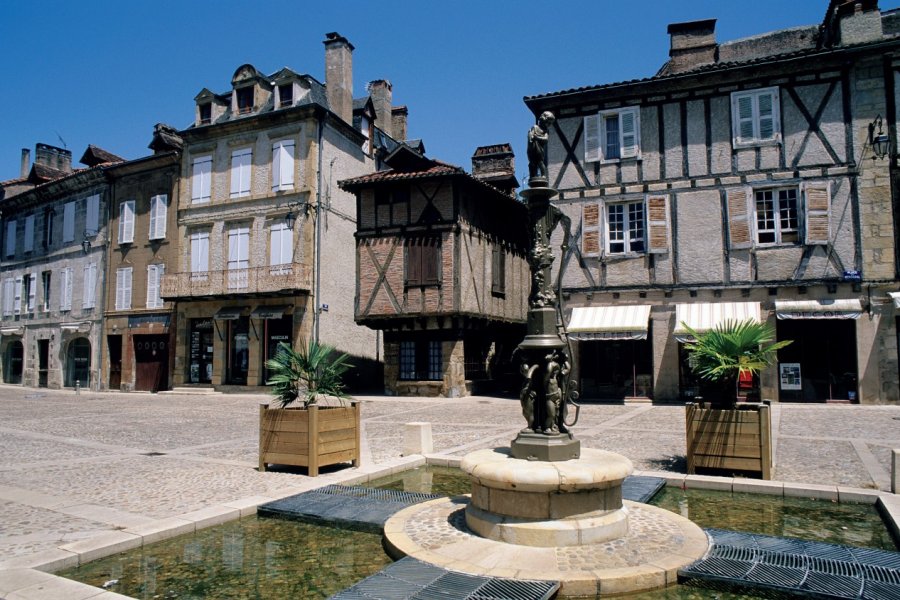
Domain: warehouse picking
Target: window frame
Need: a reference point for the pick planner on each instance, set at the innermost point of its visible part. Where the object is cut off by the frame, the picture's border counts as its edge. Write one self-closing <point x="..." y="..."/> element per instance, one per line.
<point x="124" y="293"/>
<point x="281" y="101"/>
<point x="11" y="227"/>
<point x="420" y="360"/>
<point x="28" y="241"/>
<point x="89" y="291"/>
<point x="240" y="96"/>
<point x="155" y="274"/>
<point x="737" y="140"/>
<point x="417" y="251"/>
<point x="284" y="162"/>
<point x="595" y="135"/>
<point x="627" y="218"/>
<point x="196" y="238"/>
<point x="280" y="230"/>
<point x="159" y="212"/>
<point x="241" y="173"/>
<point x="46" y="283"/>
<point x="201" y="177"/>
<point x="778" y="229"/>
<point x="498" y="270"/>
<point x="65" y="300"/>
<point x="126" y="222"/>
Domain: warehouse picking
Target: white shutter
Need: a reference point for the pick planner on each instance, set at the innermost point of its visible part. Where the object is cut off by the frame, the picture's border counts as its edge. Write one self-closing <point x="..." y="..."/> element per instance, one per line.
<point x="89" y="293"/>
<point x="29" y="233"/>
<point x="280" y="245"/>
<point x="17" y="306"/>
<point x="66" y="289"/>
<point x="152" y="286"/>
<point x="200" y="252"/>
<point x="240" y="172"/>
<point x="629" y="128"/>
<point x="126" y="222"/>
<point x="11" y="237"/>
<point x="123" y="288"/>
<point x="766" y="112"/>
<point x="32" y="291"/>
<point x="201" y="179"/>
<point x="159" y="209"/>
<point x="8" y="291"/>
<point x="283" y="165"/>
<point x="69" y="222"/>
<point x="92" y="213"/>
<point x="592" y="138"/>
<point x="742" y="115"/>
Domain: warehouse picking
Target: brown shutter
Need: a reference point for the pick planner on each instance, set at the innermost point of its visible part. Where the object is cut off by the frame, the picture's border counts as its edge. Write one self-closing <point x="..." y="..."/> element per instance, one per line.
<point x="658" y="224"/>
<point x="414" y="262"/>
<point x="740" y="230"/>
<point x="431" y="261"/>
<point x="818" y="213"/>
<point x="590" y="229"/>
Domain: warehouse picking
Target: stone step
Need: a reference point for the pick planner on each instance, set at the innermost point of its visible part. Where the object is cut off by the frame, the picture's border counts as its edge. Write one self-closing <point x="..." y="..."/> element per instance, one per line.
<point x="193" y="391"/>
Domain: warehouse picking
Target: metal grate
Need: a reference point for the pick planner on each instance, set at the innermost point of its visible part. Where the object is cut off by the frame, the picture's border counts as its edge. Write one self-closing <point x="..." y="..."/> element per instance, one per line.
<point x="797" y="567"/>
<point x="411" y="579"/>
<point x="640" y="488"/>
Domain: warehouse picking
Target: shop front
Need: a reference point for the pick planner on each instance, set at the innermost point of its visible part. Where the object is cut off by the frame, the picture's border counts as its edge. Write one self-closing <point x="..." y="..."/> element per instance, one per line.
<point x="13" y="361"/>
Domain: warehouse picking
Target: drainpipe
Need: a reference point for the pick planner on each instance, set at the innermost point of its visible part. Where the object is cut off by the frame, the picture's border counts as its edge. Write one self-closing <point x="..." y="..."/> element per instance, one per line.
<point x="101" y="320"/>
<point x="317" y="244"/>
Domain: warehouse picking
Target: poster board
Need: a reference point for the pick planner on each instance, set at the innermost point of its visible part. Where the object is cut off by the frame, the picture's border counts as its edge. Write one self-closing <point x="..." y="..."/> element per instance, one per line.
<point x="789" y="375"/>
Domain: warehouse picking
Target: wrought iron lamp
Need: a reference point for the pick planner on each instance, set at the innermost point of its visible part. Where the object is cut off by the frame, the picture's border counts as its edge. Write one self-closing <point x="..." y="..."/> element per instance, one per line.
<point x="86" y="241"/>
<point x="880" y="141"/>
<point x="291" y="217"/>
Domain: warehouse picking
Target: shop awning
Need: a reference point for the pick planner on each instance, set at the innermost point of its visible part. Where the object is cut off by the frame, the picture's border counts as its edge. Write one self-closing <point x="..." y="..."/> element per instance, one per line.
<point x="20" y="330"/>
<point x="818" y="309"/>
<point x="82" y="327"/>
<point x="229" y="313"/>
<point x="269" y="312"/>
<point x="895" y="296"/>
<point x="703" y="316"/>
<point x="609" y="322"/>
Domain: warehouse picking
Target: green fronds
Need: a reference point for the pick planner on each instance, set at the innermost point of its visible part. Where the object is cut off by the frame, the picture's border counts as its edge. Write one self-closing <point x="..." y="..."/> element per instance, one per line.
<point x="312" y="371"/>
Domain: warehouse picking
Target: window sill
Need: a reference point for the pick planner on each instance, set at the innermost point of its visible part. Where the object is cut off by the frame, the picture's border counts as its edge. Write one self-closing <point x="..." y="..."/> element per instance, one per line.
<point x="410" y="286"/>
<point x="759" y="246"/>
<point x="754" y="144"/>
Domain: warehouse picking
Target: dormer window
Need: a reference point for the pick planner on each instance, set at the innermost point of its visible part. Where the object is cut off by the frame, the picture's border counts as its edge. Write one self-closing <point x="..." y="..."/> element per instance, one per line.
<point x="285" y="95"/>
<point x="206" y="113"/>
<point x="244" y="97"/>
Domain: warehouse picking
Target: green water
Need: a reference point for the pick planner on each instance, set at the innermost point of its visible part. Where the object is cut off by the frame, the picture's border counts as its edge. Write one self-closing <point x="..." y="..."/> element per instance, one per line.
<point x="274" y="559"/>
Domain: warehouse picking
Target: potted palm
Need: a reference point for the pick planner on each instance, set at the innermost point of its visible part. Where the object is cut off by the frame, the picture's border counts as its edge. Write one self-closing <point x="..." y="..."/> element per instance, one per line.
<point x="722" y="434"/>
<point x="311" y="422"/>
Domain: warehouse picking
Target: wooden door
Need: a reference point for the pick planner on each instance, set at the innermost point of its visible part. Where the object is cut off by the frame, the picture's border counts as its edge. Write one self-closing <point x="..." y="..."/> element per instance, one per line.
<point x="151" y="362"/>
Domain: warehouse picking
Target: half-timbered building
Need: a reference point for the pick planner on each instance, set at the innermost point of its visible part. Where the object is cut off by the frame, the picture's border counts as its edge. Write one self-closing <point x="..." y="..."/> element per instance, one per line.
<point x="740" y="181"/>
<point x="441" y="270"/>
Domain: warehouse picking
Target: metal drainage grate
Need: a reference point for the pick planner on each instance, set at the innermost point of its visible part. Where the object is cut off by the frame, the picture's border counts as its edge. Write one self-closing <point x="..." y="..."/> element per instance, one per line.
<point x="381" y="494"/>
<point x="411" y="579"/>
<point x="153" y="453"/>
<point x="797" y="567"/>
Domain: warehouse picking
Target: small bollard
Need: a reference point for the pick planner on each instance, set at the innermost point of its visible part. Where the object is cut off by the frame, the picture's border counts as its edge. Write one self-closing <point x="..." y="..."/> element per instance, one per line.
<point x="77" y="387"/>
<point x="417" y="439"/>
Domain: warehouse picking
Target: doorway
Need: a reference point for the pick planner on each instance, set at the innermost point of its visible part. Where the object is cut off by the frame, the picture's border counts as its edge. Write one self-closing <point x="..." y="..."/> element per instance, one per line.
<point x="78" y="363"/>
<point x="200" y="350"/>
<point x="151" y="362"/>
<point x="43" y="362"/>
<point x="114" y="342"/>
<point x="820" y="363"/>
<point x="278" y="331"/>
<point x="12" y="371"/>
<point x="616" y="369"/>
<point x="238" y="351"/>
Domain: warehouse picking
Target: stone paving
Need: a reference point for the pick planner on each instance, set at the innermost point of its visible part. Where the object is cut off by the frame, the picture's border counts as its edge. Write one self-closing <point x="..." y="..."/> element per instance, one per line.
<point x="73" y="466"/>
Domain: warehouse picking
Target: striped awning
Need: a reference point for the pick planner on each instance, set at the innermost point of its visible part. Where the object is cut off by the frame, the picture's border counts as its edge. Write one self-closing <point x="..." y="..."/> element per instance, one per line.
<point x="818" y="309"/>
<point x="609" y="322"/>
<point x="895" y="296"/>
<point x="703" y="316"/>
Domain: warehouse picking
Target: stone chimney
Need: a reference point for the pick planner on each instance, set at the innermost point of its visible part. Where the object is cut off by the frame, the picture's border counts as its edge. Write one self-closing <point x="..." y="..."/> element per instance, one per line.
<point x="381" y="93"/>
<point x="496" y="165"/>
<point x="860" y="22"/>
<point x="339" y="75"/>
<point x="26" y="163"/>
<point x="53" y="157"/>
<point x="399" y="115"/>
<point x="693" y="44"/>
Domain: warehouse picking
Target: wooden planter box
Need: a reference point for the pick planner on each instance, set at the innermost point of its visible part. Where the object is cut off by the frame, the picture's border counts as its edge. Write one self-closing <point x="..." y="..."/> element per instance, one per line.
<point x="311" y="437"/>
<point x="730" y="439"/>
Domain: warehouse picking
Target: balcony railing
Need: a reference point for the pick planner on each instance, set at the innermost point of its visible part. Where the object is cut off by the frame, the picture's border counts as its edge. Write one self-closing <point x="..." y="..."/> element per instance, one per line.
<point x="272" y="279"/>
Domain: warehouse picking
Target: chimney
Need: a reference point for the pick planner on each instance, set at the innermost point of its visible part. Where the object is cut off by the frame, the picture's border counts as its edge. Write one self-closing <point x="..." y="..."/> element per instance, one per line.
<point x="496" y="165"/>
<point x="381" y="92"/>
<point x="399" y="116"/>
<point x="53" y="157"/>
<point x="26" y="163"/>
<point x="693" y="44"/>
<point x="339" y="75"/>
<point x="860" y="22"/>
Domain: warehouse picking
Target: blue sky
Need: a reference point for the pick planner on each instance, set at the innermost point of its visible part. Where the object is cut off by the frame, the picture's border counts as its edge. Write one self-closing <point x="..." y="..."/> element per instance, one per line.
<point x="104" y="72"/>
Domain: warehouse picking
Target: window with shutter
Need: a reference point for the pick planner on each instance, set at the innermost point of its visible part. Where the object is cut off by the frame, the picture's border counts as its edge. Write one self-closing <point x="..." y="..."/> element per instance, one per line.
<point x="69" y="222"/>
<point x="201" y="179"/>
<point x="612" y="135"/>
<point x="159" y="209"/>
<point x="498" y="270"/>
<point x="625" y="228"/>
<point x="89" y="293"/>
<point x="31" y="285"/>
<point x="123" y="288"/>
<point x="92" y="214"/>
<point x="592" y="138"/>
<point x="65" y="301"/>
<point x="126" y="222"/>
<point x="11" y="237"/>
<point x="280" y="244"/>
<point x="154" y="279"/>
<point x="755" y="116"/>
<point x="423" y="260"/>
<point x="48" y="227"/>
<point x="240" y="172"/>
<point x="590" y="230"/>
<point x="29" y="233"/>
<point x="8" y="292"/>
<point x="818" y="212"/>
<point x="200" y="252"/>
<point x="658" y="224"/>
<point x="739" y="226"/>
<point x="45" y="276"/>
<point x="238" y="257"/>
<point x="777" y="216"/>
<point x="283" y="165"/>
<point x="18" y="300"/>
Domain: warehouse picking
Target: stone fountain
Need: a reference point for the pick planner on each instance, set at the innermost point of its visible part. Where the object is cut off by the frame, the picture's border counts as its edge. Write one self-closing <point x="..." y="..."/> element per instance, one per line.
<point x="544" y="507"/>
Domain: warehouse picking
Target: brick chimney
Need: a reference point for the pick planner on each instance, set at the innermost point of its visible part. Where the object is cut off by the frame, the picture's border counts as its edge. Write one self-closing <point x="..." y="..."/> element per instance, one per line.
<point x="496" y="165"/>
<point x="381" y="93"/>
<point x="339" y="75"/>
<point x="53" y="157"/>
<point x="693" y="44"/>
<point x="26" y="163"/>
<point x="399" y="115"/>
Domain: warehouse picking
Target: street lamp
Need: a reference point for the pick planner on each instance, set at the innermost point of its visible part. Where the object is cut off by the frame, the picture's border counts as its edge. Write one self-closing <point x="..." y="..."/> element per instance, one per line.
<point x="880" y="141"/>
<point x="291" y="218"/>
<point x="86" y="241"/>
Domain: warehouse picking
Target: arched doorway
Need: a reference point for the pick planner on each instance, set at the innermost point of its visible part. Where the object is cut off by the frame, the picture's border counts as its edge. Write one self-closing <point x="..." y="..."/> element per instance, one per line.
<point x="78" y="363"/>
<point x="12" y="367"/>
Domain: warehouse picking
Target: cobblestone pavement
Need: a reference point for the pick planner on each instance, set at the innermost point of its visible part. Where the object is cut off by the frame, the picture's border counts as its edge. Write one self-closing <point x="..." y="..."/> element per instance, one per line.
<point x="73" y="466"/>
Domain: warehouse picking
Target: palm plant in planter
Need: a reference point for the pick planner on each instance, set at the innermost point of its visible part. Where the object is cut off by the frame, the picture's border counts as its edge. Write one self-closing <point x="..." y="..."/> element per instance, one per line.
<point x="722" y="434"/>
<point x="293" y="430"/>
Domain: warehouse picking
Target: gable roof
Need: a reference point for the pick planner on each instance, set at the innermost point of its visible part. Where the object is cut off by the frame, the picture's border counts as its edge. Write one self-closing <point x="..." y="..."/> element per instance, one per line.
<point x="94" y="155"/>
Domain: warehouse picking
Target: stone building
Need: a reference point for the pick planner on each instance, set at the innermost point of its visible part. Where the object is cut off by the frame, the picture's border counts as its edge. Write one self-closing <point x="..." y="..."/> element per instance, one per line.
<point x="138" y="327"/>
<point x="441" y="270"/>
<point x="739" y="181"/>
<point x="264" y="234"/>
<point x="52" y="274"/>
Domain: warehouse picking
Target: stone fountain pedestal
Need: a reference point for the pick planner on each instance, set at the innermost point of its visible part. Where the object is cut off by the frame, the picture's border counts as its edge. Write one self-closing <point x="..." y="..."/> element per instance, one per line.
<point x="549" y="504"/>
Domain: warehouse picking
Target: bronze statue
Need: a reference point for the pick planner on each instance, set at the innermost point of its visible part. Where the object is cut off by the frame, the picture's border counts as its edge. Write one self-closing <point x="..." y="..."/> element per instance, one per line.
<point x="537" y="145"/>
<point x="527" y="395"/>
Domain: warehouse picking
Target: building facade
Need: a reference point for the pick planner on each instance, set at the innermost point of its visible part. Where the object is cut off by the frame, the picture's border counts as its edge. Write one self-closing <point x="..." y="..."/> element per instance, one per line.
<point x="264" y="234"/>
<point x="741" y="181"/>
<point x="441" y="271"/>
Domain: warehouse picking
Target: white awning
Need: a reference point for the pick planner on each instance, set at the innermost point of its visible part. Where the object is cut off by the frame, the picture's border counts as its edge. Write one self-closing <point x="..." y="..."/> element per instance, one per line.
<point x="703" y="316"/>
<point x="895" y="296"/>
<point x="818" y="309"/>
<point x="609" y="322"/>
<point x="20" y="330"/>
<point x="229" y="313"/>
<point x="83" y="327"/>
<point x="269" y="312"/>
